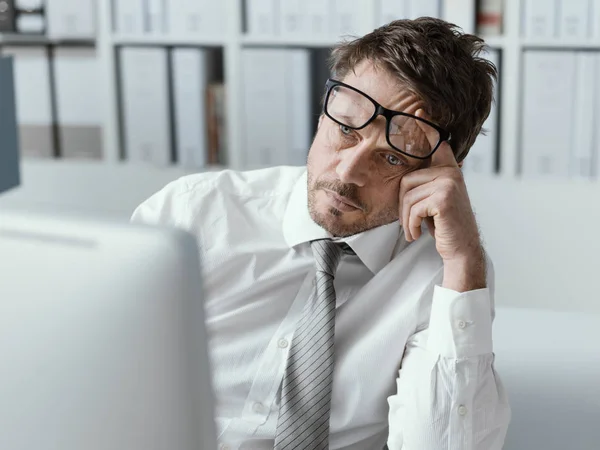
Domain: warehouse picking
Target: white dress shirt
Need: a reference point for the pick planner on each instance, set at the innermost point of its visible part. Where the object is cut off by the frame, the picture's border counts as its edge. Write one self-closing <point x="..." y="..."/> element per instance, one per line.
<point x="414" y="361"/>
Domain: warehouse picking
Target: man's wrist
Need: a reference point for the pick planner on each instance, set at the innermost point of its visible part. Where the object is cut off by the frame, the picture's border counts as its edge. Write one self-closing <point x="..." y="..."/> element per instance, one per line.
<point x="467" y="273"/>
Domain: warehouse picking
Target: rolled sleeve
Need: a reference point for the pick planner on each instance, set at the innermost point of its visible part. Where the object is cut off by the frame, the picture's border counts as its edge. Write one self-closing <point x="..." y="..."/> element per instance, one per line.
<point x="460" y="324"/>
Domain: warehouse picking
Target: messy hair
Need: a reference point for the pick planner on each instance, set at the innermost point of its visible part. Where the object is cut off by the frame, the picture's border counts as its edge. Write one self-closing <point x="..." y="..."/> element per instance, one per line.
<point x="438" y="63"/>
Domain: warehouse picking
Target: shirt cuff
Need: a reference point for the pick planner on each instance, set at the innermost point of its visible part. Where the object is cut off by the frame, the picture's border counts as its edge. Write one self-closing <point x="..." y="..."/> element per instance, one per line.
<point x="460" y="325"/>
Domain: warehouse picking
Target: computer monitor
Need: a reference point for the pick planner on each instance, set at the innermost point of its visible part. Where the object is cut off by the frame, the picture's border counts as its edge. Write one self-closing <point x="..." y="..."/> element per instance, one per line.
<point x="9" y="146"/>
<point x="102" y="338"/>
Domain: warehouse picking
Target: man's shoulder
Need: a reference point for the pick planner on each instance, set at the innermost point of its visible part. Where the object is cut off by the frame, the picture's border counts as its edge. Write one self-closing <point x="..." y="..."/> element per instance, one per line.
<point x="181" y="200"/>
<point x="266" y="182"/>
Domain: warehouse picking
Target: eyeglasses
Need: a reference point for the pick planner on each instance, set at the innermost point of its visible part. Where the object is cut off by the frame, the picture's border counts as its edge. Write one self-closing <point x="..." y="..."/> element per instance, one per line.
<point x="406" y="133"/>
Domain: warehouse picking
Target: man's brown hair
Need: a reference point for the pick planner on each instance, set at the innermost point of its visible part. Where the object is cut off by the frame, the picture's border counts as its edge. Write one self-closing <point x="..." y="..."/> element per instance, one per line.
<point x="438" y="63"/>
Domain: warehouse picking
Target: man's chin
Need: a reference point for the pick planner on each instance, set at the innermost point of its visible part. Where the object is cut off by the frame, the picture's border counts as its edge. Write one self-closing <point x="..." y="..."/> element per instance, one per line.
<point x="338" y="223"/>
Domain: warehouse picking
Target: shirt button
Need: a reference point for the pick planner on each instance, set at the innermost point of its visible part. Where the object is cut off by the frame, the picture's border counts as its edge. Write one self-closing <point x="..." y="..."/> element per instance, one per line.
<point x="257" y="407"/>
<point x="283" y="343"/>
<point x="462" y="324"/>
<point x="462" y="410"/>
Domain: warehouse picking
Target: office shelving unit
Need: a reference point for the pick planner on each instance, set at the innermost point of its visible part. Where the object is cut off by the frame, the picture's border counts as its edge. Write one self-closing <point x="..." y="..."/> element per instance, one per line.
<point x="233" y="40"/>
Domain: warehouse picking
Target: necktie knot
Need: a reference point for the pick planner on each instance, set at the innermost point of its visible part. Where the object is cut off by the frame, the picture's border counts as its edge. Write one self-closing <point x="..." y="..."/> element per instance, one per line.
<point x="327" y="255"/>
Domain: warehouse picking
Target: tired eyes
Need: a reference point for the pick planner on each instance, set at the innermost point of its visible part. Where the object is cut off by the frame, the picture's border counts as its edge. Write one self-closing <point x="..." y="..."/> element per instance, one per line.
<point x="390" y="158"/>
<point x="393" y="159"/>
<point x="346" y="131"/>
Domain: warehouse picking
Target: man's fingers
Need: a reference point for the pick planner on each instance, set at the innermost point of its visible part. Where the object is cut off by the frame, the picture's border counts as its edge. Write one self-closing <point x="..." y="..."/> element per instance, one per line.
<point x="410" y="105"/>
<point x="418" y="212"/>
<point x="420" y="177"/>
<point x="417" y="203"/>
<point x="412" y="197"/>
<point x="417" y="188"/>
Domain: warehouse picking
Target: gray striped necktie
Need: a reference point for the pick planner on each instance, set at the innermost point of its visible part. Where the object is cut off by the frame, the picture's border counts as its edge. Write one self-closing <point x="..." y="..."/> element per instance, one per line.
<point x="306" y="391"/>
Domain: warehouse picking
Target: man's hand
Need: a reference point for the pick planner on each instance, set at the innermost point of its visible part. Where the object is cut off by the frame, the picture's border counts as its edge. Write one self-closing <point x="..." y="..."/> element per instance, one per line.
<point x="438" y="196"/>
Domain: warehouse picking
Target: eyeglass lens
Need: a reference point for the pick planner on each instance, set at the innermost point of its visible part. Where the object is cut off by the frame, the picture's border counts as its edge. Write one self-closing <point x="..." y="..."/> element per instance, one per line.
<point x="407" y="134"/>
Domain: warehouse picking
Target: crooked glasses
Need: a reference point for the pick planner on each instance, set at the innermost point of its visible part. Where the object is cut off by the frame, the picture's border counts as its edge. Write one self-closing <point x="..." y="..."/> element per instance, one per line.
<point x="406" y="133"/>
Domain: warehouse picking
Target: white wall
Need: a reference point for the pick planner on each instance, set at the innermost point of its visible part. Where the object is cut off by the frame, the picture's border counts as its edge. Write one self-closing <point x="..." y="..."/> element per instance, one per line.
<point x="544" y="240"/>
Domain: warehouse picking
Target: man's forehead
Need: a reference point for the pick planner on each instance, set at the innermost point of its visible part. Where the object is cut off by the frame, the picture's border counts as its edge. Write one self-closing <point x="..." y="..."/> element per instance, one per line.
<point x="380" y="85"/>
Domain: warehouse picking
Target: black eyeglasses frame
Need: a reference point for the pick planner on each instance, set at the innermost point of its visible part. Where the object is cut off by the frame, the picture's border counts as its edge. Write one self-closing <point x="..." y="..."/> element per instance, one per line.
<point x="387" y="113"/>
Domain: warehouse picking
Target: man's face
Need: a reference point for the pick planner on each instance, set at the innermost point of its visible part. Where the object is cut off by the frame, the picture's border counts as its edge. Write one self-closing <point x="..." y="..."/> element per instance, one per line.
<point x="354" y="175"/>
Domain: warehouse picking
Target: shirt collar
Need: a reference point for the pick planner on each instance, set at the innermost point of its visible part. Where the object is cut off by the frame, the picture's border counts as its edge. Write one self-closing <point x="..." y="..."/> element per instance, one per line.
<point x="374" y="247"/>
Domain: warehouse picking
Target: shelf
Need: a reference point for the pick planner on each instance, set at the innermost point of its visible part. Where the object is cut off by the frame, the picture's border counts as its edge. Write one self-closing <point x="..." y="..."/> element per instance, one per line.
<point x="167" y="40"/>
<point x="496" y="42"/>
<point x="100" y="165"/>
<point x="283" y="41"/>
<point x="39" y="39"/>
<point x="557" y="43"/>
<point x="310" y="41"/>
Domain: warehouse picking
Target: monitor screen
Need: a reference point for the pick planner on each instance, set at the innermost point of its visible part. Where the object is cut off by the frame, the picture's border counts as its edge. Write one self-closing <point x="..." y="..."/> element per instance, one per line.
<point x="9" y="147"/>
<point x="102" y="337"/>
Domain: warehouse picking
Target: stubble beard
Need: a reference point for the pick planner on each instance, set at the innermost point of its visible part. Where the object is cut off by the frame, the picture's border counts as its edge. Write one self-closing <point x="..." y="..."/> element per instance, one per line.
<point x="332" y="220"/>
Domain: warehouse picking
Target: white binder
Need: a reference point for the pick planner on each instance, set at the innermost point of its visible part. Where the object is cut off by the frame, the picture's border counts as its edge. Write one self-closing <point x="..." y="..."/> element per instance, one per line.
<point x="349" y="17"/>
<point x="482" y="156"/>
<point x="265" y="108"/>
<point x="80" y="103"/>
<point x="190" y="82"/>
<point x="196" y="18"/>
<point x="584" y="117"/>
<point x="574" y="19"/>
<point x="155" y="16"/>
<point x="548" y="92"/>
<point x="294" y="18"/>
<point x="595" y="20"/>
<point x="298" y="106"/>
<point x="539" y="18"/>
<point x="262" y="17"/>
<point x="390" y="10"/>
<point x="129" y="16"/>
<point x="145" y="105"/>
<point x="71" y="18"/>
<point x="34" y="104"/>
<point x="29" y="4"/>
<point x="461" y="13"/>
<point x="318" y="17"/>
<point x="423" y="8"/>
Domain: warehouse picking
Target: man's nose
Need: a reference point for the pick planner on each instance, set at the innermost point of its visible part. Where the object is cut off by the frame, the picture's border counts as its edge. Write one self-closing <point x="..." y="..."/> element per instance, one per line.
<point x="354" y="164"/>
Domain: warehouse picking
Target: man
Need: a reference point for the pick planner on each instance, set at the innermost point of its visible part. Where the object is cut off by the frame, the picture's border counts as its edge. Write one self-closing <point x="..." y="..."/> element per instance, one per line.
<point x="335" y="321"/>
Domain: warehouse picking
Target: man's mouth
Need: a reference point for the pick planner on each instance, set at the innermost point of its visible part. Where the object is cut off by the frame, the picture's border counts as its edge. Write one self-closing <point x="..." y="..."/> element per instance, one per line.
<point x="341" y="202"/>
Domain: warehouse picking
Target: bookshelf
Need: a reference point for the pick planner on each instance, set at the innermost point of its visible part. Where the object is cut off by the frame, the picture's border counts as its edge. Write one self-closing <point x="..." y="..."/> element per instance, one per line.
<point x="233" y="40"/>
<point x="24" y="39"/>
<point x="560" y="44"/>
<point x="521" y="219"/>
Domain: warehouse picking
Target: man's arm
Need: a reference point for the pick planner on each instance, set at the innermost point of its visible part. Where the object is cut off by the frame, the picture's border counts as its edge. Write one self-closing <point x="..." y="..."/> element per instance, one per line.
<point x="449" y="395"/>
